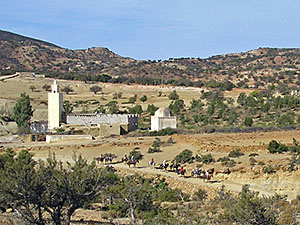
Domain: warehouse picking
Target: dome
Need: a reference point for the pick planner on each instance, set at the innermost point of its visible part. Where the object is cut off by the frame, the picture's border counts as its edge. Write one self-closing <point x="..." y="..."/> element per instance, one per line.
<point x="163" y="112"/>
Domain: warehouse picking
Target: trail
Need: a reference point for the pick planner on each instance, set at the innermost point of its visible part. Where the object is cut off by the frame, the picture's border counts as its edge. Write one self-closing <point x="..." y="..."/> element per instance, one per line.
<point x="216" y="181"/>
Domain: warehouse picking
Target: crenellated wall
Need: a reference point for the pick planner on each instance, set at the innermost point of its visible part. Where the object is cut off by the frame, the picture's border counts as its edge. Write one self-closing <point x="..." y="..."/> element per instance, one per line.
<point x="93" y="120"/>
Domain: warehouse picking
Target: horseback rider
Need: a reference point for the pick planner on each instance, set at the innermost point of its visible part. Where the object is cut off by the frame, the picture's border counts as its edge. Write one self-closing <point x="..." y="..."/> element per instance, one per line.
<point x="164" y="163"/>
<point x="132" y="159"/>
<point x="152" y="162"/>
<point x="197" y="170"/>
<point x="207" y="175"/>
<point x="181" y="170"/>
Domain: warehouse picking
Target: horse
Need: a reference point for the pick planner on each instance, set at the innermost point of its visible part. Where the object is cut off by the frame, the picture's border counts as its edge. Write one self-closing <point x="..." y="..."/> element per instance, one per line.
<point x="174" y="166"/>
<point x="152" y="163"/>
<point x="132" y="163"/>
<point x="181" y="172"/>
<point x="164" y="167"/>
<point x="100" y="159"/>
<point x="197" y="173"/>
<point x="124" y="159"/>
<point x="109" y="157"/>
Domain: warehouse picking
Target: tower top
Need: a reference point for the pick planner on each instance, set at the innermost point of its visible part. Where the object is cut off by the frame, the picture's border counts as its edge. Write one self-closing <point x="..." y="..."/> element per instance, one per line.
<point x="54" y="87"/>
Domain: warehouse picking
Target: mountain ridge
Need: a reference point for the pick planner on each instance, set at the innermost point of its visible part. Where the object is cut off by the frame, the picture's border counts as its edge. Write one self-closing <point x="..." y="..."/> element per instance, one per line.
<point x="251" y="68"/>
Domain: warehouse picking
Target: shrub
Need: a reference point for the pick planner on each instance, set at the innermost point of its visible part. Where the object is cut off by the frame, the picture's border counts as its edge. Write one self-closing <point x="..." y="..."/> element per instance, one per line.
<point x="235" y="153"/>
<point x="268" y="170"/>
<point x="173" y="95"/>
<point x="206" y="159"/>
<point x="248" y="122"/>
<point x="200" y="195"/>
<point x="184" y="157"/>
<point x="275" y="147"/>
<point x="137" y="155"/>
<point x="155" y="146"/>
<point x="167" y="131"/>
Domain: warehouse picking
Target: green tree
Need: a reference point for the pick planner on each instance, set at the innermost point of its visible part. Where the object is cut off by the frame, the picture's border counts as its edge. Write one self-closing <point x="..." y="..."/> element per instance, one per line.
<point x="112" y="107"/>
<point x="68" y="107"/>
<point x="95" y="89"/>
<point x="248" y="121"/>
<point x="177" y="106"/>
<point x="133" y="195"/>
<point x="249" y="209"/>
<point x="151" y="109"/>
<point x="144" y="98"/>
<point x="47" y="189"/>
<point x="137" y="109"/>
<point x="173" y="95"/>
<point x="22" y="113"/>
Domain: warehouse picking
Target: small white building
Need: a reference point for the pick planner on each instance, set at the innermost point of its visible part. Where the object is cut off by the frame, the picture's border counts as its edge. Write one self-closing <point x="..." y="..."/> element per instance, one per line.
<point x="163" y="119"/>
<point x="55" y="107"/>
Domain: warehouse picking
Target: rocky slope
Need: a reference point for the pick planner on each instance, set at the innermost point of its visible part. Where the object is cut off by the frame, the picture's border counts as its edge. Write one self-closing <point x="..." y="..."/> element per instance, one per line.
<point x="254" y="68"/>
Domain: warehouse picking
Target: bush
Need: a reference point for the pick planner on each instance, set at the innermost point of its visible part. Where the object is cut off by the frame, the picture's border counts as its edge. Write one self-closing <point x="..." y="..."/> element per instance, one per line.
<point x="200" y="195"/>
<point x="137" y="155"/>
<point x="235" y="153"/>
<point x="275" y="147"/>
<point x="155" y="146"/>
<point x="173" y="95"/>
<point x="268" y="170"/>
<point x="167" y="131"/>
<point x="206" y="159"/>
<point x="184" y="157"/>
<point x="248" y="122"/>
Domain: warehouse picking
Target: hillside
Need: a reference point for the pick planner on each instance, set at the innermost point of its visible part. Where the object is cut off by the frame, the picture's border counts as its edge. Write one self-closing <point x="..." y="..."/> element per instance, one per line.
<point x="250" y="69"/>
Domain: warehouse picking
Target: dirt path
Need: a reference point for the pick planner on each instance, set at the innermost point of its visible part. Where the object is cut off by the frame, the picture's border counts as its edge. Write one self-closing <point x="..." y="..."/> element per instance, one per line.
<point x="215" y="183"/>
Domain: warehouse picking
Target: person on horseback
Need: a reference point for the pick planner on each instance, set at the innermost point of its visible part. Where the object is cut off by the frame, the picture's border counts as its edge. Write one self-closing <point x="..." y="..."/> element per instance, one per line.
<point x="164" y="163"/>
<point x="181" y="171"/>
<point x="132" y="159"/>
<point x="197" y="170"/>
<point x="207" y="175"/>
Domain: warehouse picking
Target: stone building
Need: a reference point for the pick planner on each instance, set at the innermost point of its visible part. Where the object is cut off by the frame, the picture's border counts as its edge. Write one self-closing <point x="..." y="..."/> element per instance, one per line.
<point x="108" y="124"/>
<point x="163" y="119"/>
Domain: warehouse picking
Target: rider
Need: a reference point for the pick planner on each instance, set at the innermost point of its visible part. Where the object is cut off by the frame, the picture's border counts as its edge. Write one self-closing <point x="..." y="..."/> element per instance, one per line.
<point x="207" y="175"/>
<point x="181" y="170"/>
<point x="125" y="156"/>
<point x="152" y="161"/>
<point x="196" y="170"/>
<point x="164" y="163"/>
<point x="132" y="159"/>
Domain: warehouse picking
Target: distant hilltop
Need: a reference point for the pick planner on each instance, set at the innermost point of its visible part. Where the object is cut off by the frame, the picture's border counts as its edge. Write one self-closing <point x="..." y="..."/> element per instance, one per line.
<point x="254" y="68"/>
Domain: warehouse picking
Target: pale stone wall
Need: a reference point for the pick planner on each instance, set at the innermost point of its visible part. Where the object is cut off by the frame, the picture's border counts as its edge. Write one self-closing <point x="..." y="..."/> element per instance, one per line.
<point x="93" y="120"/>
<point x="58" y="138"/>
<point x="159" y="123"/>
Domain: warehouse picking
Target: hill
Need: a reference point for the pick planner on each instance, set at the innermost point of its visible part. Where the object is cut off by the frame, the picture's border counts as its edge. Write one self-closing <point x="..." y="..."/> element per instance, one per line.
<point x="254" y="68"/>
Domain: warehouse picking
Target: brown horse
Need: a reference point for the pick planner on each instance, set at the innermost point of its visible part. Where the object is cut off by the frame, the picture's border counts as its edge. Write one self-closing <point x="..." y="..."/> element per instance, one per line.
<point x="129" y="163"/>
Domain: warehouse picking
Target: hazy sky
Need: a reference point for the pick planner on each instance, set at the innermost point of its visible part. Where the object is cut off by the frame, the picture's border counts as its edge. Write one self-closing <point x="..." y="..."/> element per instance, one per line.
<point x="157" y="29"/>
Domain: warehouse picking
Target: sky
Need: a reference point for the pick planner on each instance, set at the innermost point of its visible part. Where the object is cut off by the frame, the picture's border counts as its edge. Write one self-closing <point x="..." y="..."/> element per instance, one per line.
<point x="157" y="29"/>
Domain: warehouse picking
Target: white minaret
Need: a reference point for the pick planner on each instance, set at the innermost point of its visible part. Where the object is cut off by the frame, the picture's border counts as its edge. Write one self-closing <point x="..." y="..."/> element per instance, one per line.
<point x="55" y="106"/>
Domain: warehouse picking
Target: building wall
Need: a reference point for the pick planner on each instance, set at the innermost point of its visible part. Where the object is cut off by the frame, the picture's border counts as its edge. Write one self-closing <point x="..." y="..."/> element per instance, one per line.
<point x="55" y="107"/>
<point x="159" y="123"/>
<point x="93" y="120"/>
<point x="58" y="138"/>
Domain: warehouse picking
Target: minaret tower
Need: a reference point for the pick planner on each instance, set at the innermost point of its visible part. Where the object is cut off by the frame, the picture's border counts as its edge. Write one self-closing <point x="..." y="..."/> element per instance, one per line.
<point x="55" y="106"/>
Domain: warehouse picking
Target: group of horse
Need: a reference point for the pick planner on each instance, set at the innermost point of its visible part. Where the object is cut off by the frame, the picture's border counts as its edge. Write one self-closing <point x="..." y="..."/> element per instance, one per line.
<point x="176" y="167"/>
<point x="169" y="167"/>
